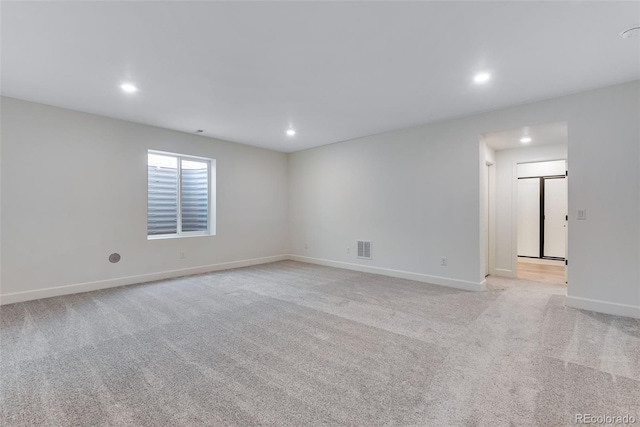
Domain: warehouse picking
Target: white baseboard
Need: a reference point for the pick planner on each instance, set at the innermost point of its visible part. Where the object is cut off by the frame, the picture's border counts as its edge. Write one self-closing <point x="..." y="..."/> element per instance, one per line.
<point x="571" y="301"/>
<point x="123" y="281"/>
<point x="603" y="306"/>
<point x="503" y="272"/>
<point x="434" y="280"/>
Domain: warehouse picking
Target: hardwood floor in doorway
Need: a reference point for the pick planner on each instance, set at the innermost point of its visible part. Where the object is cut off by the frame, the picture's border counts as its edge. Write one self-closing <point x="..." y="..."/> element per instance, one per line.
<point x="542" y="270"/>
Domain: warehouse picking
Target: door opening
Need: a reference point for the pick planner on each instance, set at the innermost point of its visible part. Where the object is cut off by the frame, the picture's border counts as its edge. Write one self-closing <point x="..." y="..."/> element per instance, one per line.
<point x="509" y="241"/>
<point x="542" y="221"/>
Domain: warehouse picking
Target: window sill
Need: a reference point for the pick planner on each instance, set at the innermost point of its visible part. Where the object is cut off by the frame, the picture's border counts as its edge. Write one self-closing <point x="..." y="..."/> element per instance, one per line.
<point x="178" y="236"/>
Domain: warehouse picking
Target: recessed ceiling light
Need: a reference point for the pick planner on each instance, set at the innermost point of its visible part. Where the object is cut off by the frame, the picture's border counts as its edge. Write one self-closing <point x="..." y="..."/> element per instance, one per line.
<point x="291" y="132"/>
<point x="128" y="87"/>
<point x="482" y="77"/>
<point x="525" y="139"/>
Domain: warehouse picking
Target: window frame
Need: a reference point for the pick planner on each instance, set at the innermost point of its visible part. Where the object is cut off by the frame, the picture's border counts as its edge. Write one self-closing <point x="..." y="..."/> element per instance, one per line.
<point x="211" y="205"/>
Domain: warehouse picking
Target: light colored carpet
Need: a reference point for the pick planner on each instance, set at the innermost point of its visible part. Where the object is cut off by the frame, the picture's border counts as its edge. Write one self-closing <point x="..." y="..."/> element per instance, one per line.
<point x="292" y="344"/>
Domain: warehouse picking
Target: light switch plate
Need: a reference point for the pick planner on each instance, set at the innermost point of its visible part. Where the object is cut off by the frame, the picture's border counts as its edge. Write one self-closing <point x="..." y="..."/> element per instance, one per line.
<point x="582" y="214"/>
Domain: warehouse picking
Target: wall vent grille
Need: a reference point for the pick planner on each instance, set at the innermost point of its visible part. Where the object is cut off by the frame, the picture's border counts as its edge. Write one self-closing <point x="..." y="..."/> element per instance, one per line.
<point x="364" y="249"/>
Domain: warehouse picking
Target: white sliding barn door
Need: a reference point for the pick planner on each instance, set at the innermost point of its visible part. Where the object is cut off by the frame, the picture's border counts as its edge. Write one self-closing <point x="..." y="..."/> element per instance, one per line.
<point x="529" y="217"/>
<point x="555" y="214"/>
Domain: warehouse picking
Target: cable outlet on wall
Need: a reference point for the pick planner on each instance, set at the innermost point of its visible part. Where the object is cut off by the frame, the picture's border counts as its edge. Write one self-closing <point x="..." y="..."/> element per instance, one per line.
<point x="348" y="250"/>
<point x="306" y="246"/>
<point x="182" y="255"/>
<point x="443" y="261"/>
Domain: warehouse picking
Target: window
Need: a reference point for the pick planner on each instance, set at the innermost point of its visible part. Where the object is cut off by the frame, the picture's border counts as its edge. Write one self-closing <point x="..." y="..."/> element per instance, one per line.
<point x="179" y="202"/>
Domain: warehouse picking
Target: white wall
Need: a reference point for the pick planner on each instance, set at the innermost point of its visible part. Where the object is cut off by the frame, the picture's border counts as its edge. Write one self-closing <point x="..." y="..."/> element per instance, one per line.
<point x="74" y="190"/>
<point x="1" y="208"/>
<point x="415" y="193"/>
<point x="506" y="212"/>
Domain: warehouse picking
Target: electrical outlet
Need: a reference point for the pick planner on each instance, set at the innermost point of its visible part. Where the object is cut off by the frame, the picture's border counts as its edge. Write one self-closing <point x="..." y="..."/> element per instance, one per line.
<point x="348" y="250"/>
<point x="306" y="246"/>
<point x="443" y="261"/>
<point x="182" y="255"/>
<point x="582" y="214"/>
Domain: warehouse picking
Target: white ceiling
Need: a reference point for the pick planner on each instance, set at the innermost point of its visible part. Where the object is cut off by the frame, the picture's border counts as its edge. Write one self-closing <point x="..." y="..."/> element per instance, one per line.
<point x="545" y="134"/>
<point x="245" y="71"/>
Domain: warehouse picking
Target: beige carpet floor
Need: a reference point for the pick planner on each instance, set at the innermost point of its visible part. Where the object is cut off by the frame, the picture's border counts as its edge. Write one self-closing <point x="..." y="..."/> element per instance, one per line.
<point x="292" y="344"/>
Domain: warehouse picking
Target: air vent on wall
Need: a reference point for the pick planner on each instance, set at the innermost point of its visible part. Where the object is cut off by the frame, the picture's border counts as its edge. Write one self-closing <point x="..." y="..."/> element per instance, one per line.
<point x="364" y="249"/>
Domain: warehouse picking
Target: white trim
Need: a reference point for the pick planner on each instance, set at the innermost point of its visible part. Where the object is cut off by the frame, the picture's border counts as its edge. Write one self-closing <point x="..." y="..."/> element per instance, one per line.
<point x="419" y="277"/>
<point x="574" y="302"/>
<point x="16" y="297"/>
<point x="179" y="236"/>
<point x="503" y="272"/>
<point x="603" y="306"/>
<point x="143" y="278"/>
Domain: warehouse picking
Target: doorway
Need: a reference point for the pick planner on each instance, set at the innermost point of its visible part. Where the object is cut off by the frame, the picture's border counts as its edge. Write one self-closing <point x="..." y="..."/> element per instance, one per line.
<point x="529" y="160"/>
<point x="542" y="216"/>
